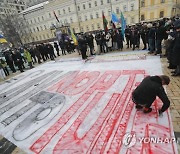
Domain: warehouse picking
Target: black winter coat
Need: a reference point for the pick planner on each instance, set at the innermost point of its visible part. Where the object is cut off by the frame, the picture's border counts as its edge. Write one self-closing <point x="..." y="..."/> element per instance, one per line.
<point x="176" y="50"/>
<point x="147" y="91"/>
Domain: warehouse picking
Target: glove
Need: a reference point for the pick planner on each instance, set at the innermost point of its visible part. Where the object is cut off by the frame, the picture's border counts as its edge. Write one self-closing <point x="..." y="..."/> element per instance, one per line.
<point x="160" y="113"/>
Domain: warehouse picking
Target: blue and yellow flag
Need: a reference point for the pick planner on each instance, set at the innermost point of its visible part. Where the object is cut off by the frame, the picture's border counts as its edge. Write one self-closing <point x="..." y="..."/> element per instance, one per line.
<point x="2" y="39"/>
<point x="73" y="36"/>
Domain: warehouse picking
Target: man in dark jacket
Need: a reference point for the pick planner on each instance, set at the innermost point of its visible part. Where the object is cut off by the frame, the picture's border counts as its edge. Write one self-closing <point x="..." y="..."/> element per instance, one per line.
<point x="90" y="41"/>
<point x="151" y="37"/>
<point x="83" y="46"/>
<point x="160" y="35"/>
<point x="176" y="49"/>
<point x="145" y="94"/>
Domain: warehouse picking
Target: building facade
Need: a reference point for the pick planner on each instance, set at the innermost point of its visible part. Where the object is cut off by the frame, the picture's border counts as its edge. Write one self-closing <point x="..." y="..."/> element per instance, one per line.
<point x="86" y="15"/>
<point x="30" y="3"/>
<point x="8" y="7"/>
<point x="156" y="9"/>
<point x="81" y="15"/>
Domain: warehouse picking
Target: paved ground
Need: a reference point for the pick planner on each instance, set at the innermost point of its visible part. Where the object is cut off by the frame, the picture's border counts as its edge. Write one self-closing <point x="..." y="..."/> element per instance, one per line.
<point x="173" y="91"/>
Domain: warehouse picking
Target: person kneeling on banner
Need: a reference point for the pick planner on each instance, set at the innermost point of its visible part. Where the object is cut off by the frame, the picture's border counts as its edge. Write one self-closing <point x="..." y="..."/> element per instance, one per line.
<point x="145" y="94"/>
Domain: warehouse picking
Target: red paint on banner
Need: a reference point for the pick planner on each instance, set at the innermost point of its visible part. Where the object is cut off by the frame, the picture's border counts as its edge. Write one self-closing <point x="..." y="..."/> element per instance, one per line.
<point x="105" y="133"/>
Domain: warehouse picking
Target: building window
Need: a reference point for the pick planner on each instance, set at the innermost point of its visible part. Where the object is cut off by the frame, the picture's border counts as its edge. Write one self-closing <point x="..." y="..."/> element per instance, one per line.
<point x="82" y="29"/>
<point x="97" y="15"/>
<point x="87" y="28"/>
<point x="45" y="27"/>
<point x="125" y="8"/>
<point x="41" y="28"/>
<point x="142" y="3"/>
<point x="34" y="20"/>
<point x="101" y="2"/>
<point x="132" y="20"/>
<point x="98" y="26"/>
<point x="89" y="5"/>
<point x="91" y="16"/>
<point x="78" y="8"/>
<point x="109" y="12"/>
<point x="59" y="12"/>
<point x="65" y="21"/>
<point x="92" y="27"/>
<point x="84" y="7"/>
<point x="132" y="7"/>
<point x="69" y="9"/>
<point x="108" y="1"/>
<point x="71" y="20"/>
<point x="142" y="17"/>
<point x="64" y="11"/>
<point x="161" y="14"/>
<point x="49" y="15"/>
<point x="162" y="1"/>
<point x="85" y="17"/>
<point x="95" y="3"/>
<point x="42" y="18"/>
<point x="80" y="19"/>
<point x="38" y="19"/>
<point x="37" y="29"/>
<point x="117" y="10"/>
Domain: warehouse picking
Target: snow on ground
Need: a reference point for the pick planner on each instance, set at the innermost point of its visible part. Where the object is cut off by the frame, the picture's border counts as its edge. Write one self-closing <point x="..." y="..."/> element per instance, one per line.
<point x="72" y="106"/>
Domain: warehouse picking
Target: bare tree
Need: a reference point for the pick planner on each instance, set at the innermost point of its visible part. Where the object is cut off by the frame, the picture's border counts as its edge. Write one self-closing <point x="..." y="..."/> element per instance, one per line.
<point x="14" y="28"/>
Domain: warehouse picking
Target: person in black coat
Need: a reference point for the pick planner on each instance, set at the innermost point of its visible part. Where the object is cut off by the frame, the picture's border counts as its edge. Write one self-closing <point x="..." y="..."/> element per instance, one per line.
<point x="145" y="94"/>
<point x="128" y="36"/>
<point x="120" y="40"/>
<point x="83" y="46"/>
<point x="9" y="60"/>
<point x="57" y="48"/>
<point x="160" y="35"/>
<point x="134" y="37"/>
<point x="151" y="37"/>
<point x="176" y="49"/>
<point x="90" y="41"/>
<point x="18" y="60"/>
<point x="143" y="34"/>
<point x="33" y="55"/>
<point x="42" y="52"/>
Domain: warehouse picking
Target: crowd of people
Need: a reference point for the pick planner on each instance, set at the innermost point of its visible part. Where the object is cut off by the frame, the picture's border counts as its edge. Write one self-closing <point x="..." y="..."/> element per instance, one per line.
<point x="152" y="35"/>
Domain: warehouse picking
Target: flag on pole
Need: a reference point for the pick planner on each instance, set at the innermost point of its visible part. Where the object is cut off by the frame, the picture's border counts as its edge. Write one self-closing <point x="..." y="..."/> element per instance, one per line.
<point x="56" y="16"/>
<point x="114" y="18"/>
<point x="105" y="22"/>
<point x="123" y="24"/>
<point x="2" y="39"/>
<point x="113" y="25"/>
<point x="73" y="36"/>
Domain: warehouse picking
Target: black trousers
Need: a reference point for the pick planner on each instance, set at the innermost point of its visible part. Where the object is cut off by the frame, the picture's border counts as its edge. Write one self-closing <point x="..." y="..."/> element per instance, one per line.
<point x="6" y="71"/>
<point x="11" y="66"/>
<point x="83" y="53"/>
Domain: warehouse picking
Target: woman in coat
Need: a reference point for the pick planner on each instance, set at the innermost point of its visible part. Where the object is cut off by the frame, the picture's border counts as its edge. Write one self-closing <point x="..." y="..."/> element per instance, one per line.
<point x="28" y="57"/>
